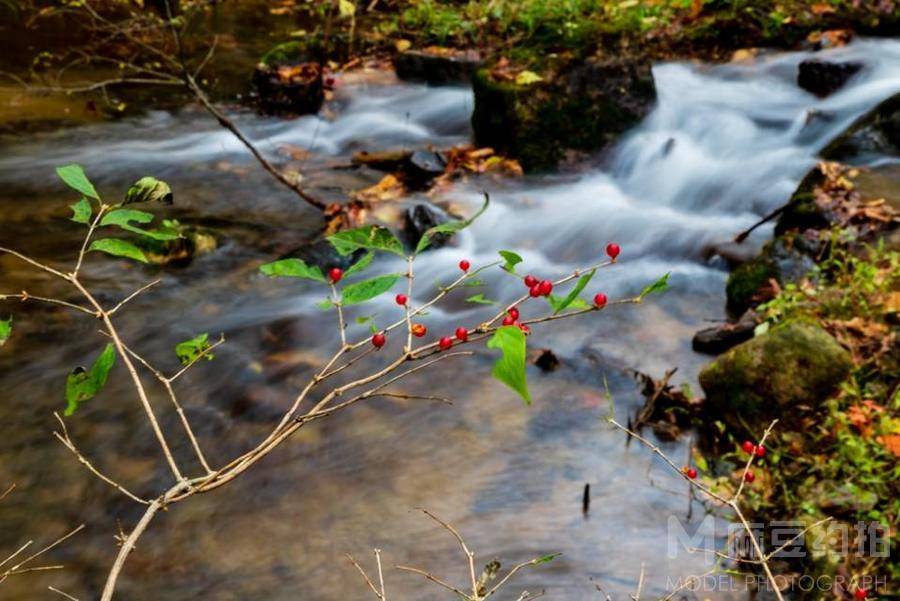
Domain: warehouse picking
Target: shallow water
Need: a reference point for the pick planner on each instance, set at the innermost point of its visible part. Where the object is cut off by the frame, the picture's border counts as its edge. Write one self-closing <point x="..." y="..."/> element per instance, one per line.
<point x="726" y="145"/>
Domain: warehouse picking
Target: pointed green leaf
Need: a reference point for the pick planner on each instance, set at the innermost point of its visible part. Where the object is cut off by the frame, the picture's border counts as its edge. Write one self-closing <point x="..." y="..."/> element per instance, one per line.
<point x="74" y="177"/>
<point x="479" y="299"/>
<point x="190" y="350"/>
<point x="372" y="237"/>
<point x="360" y="265"/>
<point x="546" y="558"/>
<point x="576" y="304"/>
<point x="5" y="330"/>
<point x="149" y="189"/>
<point x="81" y="211"/>
<point x="292" y="268"/>
<point x="360" y="292"/>
<point x="83" y="385"/>
<point x="574" y="292"/>
<point x="660" y="285"/>
<point x="123" y="218"/>
<point x="510" y="368"/>
<point x="119" y="248"/>
<point x="512" y="259"/>
<point x="451" y="227"/>
<point x="325" y="305"/>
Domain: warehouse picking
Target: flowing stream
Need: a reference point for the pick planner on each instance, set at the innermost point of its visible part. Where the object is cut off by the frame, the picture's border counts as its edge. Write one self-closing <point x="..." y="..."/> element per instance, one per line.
<point x="726" y="145"/>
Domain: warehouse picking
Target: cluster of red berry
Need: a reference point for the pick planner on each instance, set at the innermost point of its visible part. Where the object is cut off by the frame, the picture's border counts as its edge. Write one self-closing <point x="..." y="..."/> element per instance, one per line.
<point x="535" y="287"/>
<point x="748" y="447"/>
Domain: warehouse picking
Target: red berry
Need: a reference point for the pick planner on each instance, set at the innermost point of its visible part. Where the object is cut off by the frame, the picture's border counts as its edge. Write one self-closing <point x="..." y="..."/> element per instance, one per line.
<point x="749" y="477"/>
<point x="748" y="447"/>
<point x="690" y="472"/>
<point x="462" y="334"/>
<point x="509" y="320"/>
<point x="545" y="287"/>
<point x="535" y="291"/>
<point x="401" y="299"/>
<point x="530" y="281"/>
<point x="861" y="594"/>
<point x="464" y="265"/>
<point x="599" y="299"/>
<point x="524" y="328"/>
<point x="335" y="274"/>
<point x="418" y="330"/>
<point x="513" y="312"/>
<point x="613" y="250"/>
<point x="445" y="343"/>
<point x="329" y="82"/>
<point x="760" y="451"/>
<point x="378" y="340"/>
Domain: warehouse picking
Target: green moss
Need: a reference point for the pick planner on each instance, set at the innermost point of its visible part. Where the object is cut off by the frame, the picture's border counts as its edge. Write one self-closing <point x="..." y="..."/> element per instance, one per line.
<point x="745" y="281"/>
<point x="284" y="54"/>
<point x="772" y="375"/>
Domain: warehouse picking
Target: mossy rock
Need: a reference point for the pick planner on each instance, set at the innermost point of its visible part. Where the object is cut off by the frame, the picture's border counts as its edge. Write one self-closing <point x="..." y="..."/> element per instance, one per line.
<point x="776" y="375"/>
<point x="802" y="211"/>
<point x="745" y="282"/>
<point x="786" y="259"/>
<point x="582" y="106"/>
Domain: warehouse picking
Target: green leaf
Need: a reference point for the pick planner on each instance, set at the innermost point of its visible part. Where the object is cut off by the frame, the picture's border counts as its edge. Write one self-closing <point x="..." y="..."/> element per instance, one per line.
<point x="81" y="211"/>
<point x="526" y="78"/>
<point x="325" y="305"/>
<point x="451" y="227"/>
<point x="577" y="303"/>
<point x="292" y="268"/>
<point x="190" y="350"/>
<point x="74" y="177"/>
<point x="119" y="248"/>
<point x="360" y="292"/>
<point x="360" y="265"/>
<point x="510" y="368"/>
<point x="372" y="237"/>
<point x="512" y="259"/>
<point x="546" y="558"/>
<point x="479" y="299"/>
<point x="149" y="189"/>
<point x="574" y="292"/>
<point x="83" y="385"/>
<point x="5" y="330"/>
<point x="123" y="218"/>
<point x="346" y="8"/>
<point x="660" y="285"/>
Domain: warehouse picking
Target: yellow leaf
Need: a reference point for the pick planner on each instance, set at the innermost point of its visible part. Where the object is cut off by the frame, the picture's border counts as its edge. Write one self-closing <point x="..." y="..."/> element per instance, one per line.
<point x="527" y="78"/>
<point x="346" y="8"/>
<point x="402" y="45"/>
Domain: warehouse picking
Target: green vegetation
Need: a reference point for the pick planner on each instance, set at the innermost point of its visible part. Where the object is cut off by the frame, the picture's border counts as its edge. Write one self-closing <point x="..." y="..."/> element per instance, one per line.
<point x="510" y="26"/>
<point x="843" y="457"/>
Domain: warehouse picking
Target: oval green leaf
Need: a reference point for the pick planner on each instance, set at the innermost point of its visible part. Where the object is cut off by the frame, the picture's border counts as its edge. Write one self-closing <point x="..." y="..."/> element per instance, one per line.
<point x="292" y="268"/>
<point x="510" y="367"/>
<point x="365" y="290"/>
<point x="119" y="248"/>
<point x="83" y="385"/>
<point x="74" y="177"/>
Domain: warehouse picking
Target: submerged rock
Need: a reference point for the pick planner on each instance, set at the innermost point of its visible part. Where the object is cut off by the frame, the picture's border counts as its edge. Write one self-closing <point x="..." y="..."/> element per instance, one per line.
<point x="191" y="243"/>
<point x="287" y="82"/>
<point x="582" y="106"/>
<point x="824" y="78"/>
<point x="718" y="339"/>
<point x="419" y="219"/>
<point x="437" y="66"/>
<point x="792" y="367"/>
<point x="876" y="132"/>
